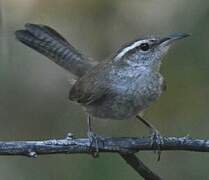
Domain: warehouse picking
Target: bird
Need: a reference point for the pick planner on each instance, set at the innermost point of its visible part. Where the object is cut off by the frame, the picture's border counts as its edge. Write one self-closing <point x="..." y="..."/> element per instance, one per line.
<point x="120" y="87"/>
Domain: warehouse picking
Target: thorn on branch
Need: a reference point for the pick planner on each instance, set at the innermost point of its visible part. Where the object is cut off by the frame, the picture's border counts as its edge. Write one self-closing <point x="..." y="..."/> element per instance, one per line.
<point x="32" y="154"/>
<point x="69" y="136"/>
<point x="187" y="136"/>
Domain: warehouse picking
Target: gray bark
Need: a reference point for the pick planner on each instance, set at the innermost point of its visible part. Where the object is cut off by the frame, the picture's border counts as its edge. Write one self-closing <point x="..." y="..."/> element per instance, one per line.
<point x="125" y="146"/>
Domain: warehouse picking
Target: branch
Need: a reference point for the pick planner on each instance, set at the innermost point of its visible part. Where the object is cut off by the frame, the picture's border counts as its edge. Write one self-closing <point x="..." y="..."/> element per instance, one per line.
<point x="140" y="167"/>
<point x="71" y="145"/>
<point x="125" y="146"/>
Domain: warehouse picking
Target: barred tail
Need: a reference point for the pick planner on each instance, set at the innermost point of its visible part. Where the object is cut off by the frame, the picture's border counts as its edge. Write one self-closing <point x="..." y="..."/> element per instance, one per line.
<point x="48" y="42"/>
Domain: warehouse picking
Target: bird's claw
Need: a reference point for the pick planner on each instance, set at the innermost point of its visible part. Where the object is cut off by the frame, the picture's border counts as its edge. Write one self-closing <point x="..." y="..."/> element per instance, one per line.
<point x="156" y="142"/>
<point x="94" y="147"/>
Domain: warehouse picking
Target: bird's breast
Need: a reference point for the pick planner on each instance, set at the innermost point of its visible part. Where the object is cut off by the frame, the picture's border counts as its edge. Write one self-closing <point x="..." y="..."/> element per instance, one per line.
<point x="128" y="95"/>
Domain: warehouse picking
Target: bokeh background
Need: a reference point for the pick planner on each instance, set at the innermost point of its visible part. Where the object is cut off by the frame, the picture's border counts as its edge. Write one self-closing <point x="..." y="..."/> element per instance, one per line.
<point x="34" y="91"/>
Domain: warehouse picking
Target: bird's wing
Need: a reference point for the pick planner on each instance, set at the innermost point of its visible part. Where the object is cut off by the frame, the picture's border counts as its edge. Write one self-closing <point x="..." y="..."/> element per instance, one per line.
<point x="89" y="88"/>
<point x="87" y="93"/>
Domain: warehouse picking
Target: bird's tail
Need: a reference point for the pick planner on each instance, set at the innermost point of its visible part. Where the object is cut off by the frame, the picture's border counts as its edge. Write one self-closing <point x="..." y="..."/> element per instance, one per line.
<point x="48" y="42"/>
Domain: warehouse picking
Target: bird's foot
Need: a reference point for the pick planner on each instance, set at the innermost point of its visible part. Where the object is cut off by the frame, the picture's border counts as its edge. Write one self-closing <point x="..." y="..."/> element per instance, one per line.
<point x="94" y="147"/>
<point x="156" y="141"/>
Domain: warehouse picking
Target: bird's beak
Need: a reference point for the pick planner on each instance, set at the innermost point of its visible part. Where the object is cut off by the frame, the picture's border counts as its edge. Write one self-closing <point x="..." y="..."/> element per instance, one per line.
<point x="171" y="38"/>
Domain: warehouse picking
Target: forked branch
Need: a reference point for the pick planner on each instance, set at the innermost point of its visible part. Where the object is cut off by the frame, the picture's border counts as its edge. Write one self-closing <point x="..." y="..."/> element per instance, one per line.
<point x="125" y="146"/>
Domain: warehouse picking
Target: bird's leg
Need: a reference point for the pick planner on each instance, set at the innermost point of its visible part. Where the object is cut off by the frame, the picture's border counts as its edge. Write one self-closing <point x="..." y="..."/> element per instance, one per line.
<point x="156" y="138"/>
<point x="92" y="137"/>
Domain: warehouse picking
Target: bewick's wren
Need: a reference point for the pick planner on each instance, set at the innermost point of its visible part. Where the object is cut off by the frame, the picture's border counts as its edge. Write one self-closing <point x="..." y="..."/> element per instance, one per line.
<point x="117" y="88"/>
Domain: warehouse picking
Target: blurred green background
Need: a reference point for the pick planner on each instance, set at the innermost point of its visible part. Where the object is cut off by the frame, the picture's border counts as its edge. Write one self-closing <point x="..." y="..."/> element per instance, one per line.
<point x="34" y="91"/>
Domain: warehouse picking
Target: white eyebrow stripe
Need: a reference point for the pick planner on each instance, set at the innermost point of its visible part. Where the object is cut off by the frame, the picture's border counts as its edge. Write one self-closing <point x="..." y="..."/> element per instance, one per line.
<point x="127" y="49"/>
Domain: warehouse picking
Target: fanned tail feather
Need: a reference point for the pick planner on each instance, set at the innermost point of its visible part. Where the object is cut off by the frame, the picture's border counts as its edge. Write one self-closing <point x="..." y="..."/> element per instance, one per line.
<point x="50" y="43"/>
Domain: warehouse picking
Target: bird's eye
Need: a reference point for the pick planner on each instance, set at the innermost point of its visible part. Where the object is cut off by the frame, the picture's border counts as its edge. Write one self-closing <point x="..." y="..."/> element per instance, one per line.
<point x="144" y="46"/>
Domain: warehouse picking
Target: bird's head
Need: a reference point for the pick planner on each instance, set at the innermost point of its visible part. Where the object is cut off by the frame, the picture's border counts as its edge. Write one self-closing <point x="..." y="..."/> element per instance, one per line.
<point x="147" y="51"/>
